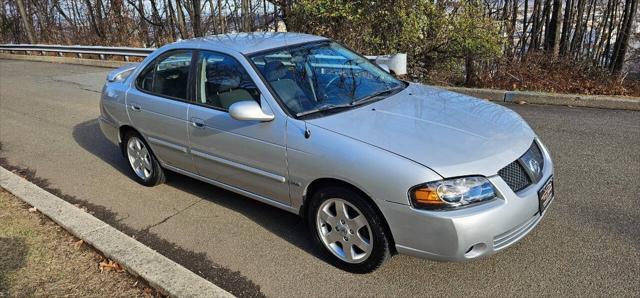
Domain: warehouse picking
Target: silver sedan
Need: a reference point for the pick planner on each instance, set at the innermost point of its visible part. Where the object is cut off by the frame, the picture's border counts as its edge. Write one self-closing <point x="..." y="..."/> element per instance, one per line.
<point x="373" y="164"/>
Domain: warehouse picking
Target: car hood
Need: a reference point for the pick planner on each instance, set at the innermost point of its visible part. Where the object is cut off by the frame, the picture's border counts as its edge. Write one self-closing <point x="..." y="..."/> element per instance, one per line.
<point x="450" y="133"/>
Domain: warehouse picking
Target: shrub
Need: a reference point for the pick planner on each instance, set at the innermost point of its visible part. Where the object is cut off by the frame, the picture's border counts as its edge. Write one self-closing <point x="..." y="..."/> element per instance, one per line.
<point x="434" y="35"/>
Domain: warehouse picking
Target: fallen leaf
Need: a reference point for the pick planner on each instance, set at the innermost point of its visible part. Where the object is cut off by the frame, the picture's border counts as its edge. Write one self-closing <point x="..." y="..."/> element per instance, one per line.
<point x="148" y="292"/>
<point x="97" y="257"/>
<point x="78" y="244"/>
<point x="33" y="209"/>
<point x="110" y="265"/>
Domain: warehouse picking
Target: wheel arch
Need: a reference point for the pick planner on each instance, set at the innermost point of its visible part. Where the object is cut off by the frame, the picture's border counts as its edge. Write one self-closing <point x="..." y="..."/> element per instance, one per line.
<point x="320" y="183"/>
<point x="122" y="130"/>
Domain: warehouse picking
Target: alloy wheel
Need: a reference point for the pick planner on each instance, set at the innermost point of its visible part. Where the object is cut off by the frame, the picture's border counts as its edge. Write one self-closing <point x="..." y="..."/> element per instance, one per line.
<point x="139" y="158"/>
<point x="344" y="230"/>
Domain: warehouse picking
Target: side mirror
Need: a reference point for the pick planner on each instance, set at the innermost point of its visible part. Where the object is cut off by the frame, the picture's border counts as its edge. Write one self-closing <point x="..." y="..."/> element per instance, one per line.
<point x="248" y="110"/>
<point x="121" y="73"/>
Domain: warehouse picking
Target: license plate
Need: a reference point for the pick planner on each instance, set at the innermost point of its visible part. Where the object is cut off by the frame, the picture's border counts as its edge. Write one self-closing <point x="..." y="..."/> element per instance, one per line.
<point x="545" y="194"/>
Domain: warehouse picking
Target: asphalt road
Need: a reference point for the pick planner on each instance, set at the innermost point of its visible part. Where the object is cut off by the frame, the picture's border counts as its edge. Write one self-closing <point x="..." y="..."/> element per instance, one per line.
<point x="589" y="243"/>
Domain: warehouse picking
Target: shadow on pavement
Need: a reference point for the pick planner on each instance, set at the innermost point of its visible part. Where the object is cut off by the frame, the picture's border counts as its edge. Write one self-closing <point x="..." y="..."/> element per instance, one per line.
<point x="282" y="223"/>
<point x="89" y="136"/>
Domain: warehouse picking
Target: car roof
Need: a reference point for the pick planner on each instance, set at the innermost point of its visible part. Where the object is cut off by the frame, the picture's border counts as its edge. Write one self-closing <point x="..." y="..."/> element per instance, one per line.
<point x="247" y="43"/>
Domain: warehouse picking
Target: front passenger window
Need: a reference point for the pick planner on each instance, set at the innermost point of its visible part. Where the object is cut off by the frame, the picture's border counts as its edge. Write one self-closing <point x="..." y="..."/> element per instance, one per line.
<point x="169" y="76"/>
<point x="223" y="81"/>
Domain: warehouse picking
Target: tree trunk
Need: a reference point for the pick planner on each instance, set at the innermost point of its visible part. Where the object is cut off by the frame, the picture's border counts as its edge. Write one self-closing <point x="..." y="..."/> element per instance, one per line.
<point x="602" y="32"/>
<point x="221" y="17"/>
<point x="566" y="27"/>
<point x="26" y="21"/>
<point x="246" y="15"/>
<point x="92" y="19"/>
<point x="182" y="27"/>
<point x="535" y="30"/>
<point x="171" y="15"/>
<point x="525" y="24"/>
<point x="553" y="37"/>
<point x="144" y="28"/>
<point x="196" y="13"/>
<point x="265" y="15"/>
<point x="577" y="36"/>
<point x="546" y="16"/>
<point x="591" y="39"/>
<point x="622" y="41"/>
<point x="469" y="70"/>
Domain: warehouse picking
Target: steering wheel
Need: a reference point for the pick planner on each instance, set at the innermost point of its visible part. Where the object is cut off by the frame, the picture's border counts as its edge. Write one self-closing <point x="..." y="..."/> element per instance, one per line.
<point x="331" y="88"/>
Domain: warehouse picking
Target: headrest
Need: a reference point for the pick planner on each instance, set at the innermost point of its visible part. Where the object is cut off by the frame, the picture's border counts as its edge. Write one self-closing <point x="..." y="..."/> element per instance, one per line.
<point x="275" y="70"/>
<point x="224" y="80"/>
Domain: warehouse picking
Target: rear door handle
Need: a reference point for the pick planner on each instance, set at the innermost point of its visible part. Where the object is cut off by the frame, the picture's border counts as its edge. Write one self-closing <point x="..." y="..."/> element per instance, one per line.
<point x="135" y="108"/>
<point x="197" y="123"/>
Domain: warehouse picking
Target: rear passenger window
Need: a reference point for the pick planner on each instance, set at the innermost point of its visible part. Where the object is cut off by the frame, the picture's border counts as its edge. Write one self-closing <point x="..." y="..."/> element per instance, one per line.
<point x="169" y="76"/>
<point x="223" y="81"/>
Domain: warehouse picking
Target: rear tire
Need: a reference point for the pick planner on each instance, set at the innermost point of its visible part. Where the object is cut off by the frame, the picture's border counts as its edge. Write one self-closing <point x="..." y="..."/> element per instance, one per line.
<point x="142" y="162"/>
<point x="347" y="229"/>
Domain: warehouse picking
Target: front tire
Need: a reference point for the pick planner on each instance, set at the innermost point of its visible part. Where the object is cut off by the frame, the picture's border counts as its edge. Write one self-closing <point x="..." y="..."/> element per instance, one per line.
<point x="347" y="229"/>
<point x="143" y="164"/>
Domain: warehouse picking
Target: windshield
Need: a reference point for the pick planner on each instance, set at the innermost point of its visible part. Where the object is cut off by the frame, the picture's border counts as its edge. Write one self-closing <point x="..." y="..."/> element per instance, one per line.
<point x="317" y="77"/>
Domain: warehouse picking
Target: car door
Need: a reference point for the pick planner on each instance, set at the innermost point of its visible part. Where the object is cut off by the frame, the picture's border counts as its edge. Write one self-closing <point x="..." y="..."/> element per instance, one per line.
<point x="249" y="155"/>
<point x="158" y="107"/>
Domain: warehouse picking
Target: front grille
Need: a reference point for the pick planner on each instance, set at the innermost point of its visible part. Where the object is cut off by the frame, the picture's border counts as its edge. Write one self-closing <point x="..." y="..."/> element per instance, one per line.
<point x="515" y="176"/>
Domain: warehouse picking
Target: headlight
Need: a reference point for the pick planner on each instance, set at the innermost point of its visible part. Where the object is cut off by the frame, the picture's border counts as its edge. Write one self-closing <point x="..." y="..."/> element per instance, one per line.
<point x="452" y="193"/>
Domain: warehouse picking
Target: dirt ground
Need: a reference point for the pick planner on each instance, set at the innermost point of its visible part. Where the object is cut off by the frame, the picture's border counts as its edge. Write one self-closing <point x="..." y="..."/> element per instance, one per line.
<point x="39" y="258"/>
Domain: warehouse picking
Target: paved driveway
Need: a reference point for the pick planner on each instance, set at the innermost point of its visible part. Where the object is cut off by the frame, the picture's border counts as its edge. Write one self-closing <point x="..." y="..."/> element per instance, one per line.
<point x="589" y="244"/>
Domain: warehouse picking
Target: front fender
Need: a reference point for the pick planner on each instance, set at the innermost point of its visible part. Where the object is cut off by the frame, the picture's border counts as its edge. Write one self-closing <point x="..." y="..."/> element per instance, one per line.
<point x="382" y="175"/>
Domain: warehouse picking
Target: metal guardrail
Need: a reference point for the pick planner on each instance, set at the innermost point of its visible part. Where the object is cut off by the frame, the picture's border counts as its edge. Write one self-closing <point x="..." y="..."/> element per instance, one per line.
<point x="396" y="63"/>
<point x="126" y="52"/>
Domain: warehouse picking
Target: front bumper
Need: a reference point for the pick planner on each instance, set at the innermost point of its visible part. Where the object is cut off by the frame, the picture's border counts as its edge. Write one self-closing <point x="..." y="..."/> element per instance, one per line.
<point x="471" y="232"/>
<point x="109" y="129"/>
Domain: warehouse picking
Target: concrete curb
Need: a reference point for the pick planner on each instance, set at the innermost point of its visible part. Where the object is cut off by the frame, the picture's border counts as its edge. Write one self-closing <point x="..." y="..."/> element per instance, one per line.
<point x="160" y="272"/>
<point x="577" y="100"/>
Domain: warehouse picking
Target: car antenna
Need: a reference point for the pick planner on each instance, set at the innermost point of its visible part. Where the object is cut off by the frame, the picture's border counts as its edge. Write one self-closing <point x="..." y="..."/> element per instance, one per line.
<point x="307" y="132"/>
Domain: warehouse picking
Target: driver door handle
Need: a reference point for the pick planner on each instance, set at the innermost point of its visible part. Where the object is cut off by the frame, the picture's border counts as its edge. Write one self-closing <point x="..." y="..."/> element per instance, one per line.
<point x="135" y="108"/>
<point x="197" y="123"/>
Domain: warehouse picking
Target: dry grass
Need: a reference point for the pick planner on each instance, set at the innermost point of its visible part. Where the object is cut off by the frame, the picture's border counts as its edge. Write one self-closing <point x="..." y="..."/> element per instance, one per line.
<point x="536" y="73"/>
<point x="539" y="73"/>
<point x="39" y="258"/>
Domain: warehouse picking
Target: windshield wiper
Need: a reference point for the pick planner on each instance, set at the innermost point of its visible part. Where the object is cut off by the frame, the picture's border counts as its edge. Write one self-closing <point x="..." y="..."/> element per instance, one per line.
<point x="324" y="108"/>
<point x="374" y="96"/>
<point x="354" y="103"/>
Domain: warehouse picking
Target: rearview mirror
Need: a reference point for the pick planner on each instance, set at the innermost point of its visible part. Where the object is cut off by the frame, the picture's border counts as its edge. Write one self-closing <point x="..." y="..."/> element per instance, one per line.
<point x="248" y="110"/>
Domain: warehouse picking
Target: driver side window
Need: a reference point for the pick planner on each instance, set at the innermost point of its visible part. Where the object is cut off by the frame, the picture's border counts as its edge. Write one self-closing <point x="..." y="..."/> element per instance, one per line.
<point x="223" y="81"/>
